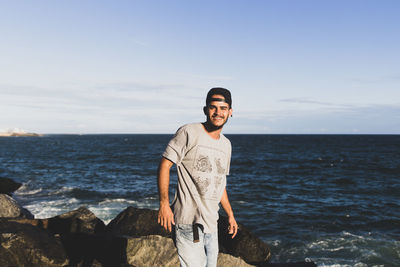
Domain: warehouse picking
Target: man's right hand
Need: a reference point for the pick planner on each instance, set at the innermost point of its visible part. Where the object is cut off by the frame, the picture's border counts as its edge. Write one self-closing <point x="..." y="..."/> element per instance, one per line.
<point x="166" y="217"/>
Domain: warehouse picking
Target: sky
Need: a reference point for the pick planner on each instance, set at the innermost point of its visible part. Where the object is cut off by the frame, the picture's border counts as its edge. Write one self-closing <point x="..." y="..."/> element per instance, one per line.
<point x="293" y="67"/>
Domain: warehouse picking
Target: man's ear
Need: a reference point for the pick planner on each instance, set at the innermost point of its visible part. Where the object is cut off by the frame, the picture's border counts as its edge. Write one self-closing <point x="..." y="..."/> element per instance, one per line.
<point x="205" y="110"/>
<point x="230" y="112"/>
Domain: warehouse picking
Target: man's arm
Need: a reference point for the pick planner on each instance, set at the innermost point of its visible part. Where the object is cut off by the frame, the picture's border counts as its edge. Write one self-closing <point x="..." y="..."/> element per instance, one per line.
<point x="165" y="215"/>
<point x="233" y="227"/>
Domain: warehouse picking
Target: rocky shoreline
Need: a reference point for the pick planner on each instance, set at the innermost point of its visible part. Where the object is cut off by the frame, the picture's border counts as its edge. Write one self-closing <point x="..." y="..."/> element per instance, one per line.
<point x="133" y="238"/>
<point x="18" y="133"/>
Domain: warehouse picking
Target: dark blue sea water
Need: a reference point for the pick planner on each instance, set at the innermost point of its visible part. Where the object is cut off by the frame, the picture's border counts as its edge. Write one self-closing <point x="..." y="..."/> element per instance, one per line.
<point x="332" y="199"/>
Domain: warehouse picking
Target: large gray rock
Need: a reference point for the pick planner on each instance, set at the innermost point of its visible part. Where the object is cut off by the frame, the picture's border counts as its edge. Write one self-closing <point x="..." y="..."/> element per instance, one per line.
<point x="8" y="186"/>
<point x="229" y="260"/>
<point x="136" y="222"/>
<point x="81" y="220"/>
<point x="245" y="245"/>
<point x="9" y="208"/>
<point x="155" y="250"/>
<point x="83" y="239"/>
<point x="81" y="234"/>
<point x="24" y="245"/>
<point x="81" y="245"/>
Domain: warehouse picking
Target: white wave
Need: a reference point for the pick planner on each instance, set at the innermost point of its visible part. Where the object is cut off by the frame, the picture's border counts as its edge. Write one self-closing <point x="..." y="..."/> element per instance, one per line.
<point x="108" y="209"/>
<point x="28" y="192"/>
<point x="62" y="190"/>
<point x="111" y="191"/>
<point x="25" y="190"/>
<point x="47" y="209"/>
<point x="336" y="265"/>
<point x="354" y="250"/>
<point x="345" y="233"/>
<point x="149" y="205"/>
<point x="274" y="243"/>
<point x="106" y="214"/>
<point x="358" y="264"/>
<point x="117" y="200"/>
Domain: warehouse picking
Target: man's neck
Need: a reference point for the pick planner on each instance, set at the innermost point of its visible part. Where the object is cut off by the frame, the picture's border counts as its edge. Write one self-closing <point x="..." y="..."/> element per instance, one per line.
<point x="212" y="131"/>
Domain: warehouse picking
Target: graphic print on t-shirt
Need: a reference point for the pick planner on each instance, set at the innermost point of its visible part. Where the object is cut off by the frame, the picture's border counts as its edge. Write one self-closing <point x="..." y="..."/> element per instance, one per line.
<point x="203" y="164"/>
<point x="201" y="184"/>
<point x="218" y="182"/>
<point x="208" y="172"/>
<point x="220" y="169"/>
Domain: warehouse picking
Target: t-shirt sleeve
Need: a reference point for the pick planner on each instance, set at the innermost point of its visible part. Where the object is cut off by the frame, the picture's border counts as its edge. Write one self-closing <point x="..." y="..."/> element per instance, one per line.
<point x="229" y="159"/>
<point x="177" y="146"/>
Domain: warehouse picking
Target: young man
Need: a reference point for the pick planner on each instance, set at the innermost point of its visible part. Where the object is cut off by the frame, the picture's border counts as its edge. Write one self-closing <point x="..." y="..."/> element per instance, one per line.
<point x="202" y="156"/>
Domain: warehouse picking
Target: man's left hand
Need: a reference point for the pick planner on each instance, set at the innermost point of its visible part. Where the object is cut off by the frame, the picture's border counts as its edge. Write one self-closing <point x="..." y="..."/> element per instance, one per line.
<point x="233" y="227"/>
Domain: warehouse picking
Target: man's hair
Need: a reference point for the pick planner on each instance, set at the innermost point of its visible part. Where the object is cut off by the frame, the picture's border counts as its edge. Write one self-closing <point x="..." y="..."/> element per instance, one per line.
<point x="219" y="91"/>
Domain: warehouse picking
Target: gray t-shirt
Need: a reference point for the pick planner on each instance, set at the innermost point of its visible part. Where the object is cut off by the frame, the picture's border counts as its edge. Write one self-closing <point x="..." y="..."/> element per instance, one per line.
<point x="202" y="165"/>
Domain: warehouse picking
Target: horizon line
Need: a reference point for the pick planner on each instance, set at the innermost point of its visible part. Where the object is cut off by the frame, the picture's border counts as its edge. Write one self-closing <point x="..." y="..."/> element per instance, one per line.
<point x="171" y="133"/>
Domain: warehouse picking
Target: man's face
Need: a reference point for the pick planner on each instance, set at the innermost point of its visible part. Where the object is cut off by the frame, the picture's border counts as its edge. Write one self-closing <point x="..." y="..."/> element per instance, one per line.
<point x="218" y="112"/>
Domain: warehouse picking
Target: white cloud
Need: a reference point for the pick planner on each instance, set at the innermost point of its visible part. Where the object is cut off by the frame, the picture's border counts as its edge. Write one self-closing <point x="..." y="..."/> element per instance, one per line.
<point x="131" y="107"/>
<point x="371" y="119"/>
<point x="111" y="107"/>
<point x="312" y="102"/>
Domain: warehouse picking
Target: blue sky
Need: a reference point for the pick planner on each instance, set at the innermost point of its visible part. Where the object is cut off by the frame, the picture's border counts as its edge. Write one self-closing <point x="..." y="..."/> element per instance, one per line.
<point x="293" y="67"/>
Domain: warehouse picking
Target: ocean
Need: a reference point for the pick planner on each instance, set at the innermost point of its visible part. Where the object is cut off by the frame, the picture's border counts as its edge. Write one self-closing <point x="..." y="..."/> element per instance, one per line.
<point x="331" y="199"/>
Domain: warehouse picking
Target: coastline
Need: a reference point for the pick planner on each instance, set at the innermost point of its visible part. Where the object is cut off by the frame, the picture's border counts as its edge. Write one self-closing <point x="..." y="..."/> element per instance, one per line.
<point x="20" y="135"/>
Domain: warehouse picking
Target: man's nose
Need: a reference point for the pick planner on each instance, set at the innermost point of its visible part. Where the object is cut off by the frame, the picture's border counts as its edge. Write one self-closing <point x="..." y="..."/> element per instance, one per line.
<point x="218" y="111"/>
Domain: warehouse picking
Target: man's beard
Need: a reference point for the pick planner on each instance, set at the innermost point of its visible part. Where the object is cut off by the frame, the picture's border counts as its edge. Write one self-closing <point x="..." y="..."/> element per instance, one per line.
<point x="211" y="127"/>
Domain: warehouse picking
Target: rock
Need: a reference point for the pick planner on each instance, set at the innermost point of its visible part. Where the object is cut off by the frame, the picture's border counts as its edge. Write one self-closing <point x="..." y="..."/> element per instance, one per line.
<point x="245" y="245"/>
<point x="81" y="233"/>
<point x="136" y="222"/>
<point x="229" y="260"/>
<point x="9" y="208"/>
<point x="25" y="245"/>
<point x="8" y="186"/>
<point x="17" y="132"/>
<point x="40" y="223"/>
<point x="155" y="250"/>
<point x="77" y="221"/>
<point x="83" y="248"/>
<point x="80" y="220"/>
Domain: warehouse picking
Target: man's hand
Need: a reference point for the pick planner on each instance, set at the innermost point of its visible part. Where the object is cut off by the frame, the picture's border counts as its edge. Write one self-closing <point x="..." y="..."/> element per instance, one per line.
<point x="166" y="217"/>
<point x="233" y="227"/>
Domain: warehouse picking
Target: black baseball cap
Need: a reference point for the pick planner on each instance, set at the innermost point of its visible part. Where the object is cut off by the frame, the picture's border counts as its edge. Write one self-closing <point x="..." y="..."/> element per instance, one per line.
<point x="219" y="91"/>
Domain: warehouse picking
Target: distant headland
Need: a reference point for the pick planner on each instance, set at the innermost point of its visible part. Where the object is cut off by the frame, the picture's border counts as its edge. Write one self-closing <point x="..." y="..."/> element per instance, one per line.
<point x="17" y="132"/>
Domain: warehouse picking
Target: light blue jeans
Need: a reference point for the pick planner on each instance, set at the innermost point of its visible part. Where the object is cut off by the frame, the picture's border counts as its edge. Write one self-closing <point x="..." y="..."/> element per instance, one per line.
<point x="202" y="253"/>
